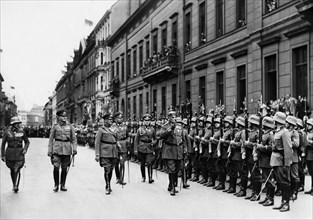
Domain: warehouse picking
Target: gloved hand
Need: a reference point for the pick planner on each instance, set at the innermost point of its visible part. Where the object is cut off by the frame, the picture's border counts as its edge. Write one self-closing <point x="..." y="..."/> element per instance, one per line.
<point x="74" y="152"/>
<point x="24" y="152"/>
<point x="3" y="159"/>
<point x="49" y="154"/>
<point x="97" y="158"/>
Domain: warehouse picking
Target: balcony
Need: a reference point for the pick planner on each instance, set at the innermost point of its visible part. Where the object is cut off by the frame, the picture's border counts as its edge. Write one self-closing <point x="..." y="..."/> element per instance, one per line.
<point x="115" y="86"/>
<point x="161" y="66"/>
<point x="305" y="8"/>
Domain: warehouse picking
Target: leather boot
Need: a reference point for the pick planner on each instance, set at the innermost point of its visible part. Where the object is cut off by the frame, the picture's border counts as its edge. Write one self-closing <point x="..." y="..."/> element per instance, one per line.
<point x="63" y="179"/>
<point x="294" y="191"/>
<point x="270" y="196"/>
<point x="122" y="173"/>
<point x="150" y="174"/>
<point x="17" y="181"/>
<point x="56" y="177"/>
<point x="241" y="193"/>
<point x="285" y="207"/>
<point x="232" y="185"/>
<point x="263" y="201"/>
<point x="221" y="186"/>
<point x="173" y="177"/>
<point x="184" y="179"/>
<point x="257" y="185"/>
<point x="143" y="172"/>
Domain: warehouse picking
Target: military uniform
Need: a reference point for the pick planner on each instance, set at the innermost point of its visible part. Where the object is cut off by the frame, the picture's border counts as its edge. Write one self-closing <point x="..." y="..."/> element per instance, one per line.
<point x="236" y="158"/>
<point x="144" y="146"/>
<point x="173" y="149"/>
<point x="14" y="154"/>
<point x="213" y="157"/>
<point x="281" y="159"/>
<point x="264" y="150"/>
<point x="62" y="144"/>
<point x="309" y="153"/>
<point x="122" y="132"/>
<point x="191" y="149"/>
<point x="251" y="158"/>
<point x="221" y="152"/>
<point x="106" y="150"/>
<point x="294" y="168"/>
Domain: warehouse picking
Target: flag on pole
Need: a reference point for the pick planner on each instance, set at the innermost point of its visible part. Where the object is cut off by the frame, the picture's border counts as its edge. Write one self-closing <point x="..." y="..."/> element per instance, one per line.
<point x="88" y="22"/>
<point x="12" y="87"/>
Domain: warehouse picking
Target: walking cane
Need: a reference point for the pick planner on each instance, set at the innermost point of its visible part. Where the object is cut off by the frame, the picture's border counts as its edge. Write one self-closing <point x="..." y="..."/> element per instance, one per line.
<point x="24" y="176"/>
<point x="128" y="170"/>
<point x="265" y="183"/>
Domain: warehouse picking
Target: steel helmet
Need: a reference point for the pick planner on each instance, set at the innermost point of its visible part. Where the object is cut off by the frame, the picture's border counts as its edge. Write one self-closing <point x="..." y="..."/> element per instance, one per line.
<point x="193" y="119"/>
<point x="15" y="120"/>
<point x="178" y="120"/>
<point x="291" y="120"/>
<point x="280" y="117"/>
<point x="300" y="122"/>
<point x="217" y="120"/>
<point x="310" y="121"/>
<point x="229" y="119"/>
<point x="240" y="120"/>
<point x="201" y="118"/>
<point x="208" y="119"/>
<point x="254" y="119"/>
<point x="268" y="122"/>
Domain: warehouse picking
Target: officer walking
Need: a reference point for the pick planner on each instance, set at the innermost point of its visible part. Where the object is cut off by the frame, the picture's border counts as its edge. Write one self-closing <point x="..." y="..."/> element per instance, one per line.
<point x="144" y="147"/>
<point x="122" y="134"/>
<point x="14" y="154"/>
<point x="106" y="149"/>
<point x="173" y="149"/>
<point x="62" y="144"/>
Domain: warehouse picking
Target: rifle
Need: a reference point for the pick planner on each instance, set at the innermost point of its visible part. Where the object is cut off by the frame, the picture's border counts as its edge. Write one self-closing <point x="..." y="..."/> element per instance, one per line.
<point x="212" y="131"/>
<point x="246" y="134"/>
<point x="229" y="151"/>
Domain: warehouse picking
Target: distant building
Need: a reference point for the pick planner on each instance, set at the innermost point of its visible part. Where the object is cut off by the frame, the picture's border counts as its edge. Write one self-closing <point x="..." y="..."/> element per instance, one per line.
<point x="22" y="114"/>
<point x="35" y="116"/>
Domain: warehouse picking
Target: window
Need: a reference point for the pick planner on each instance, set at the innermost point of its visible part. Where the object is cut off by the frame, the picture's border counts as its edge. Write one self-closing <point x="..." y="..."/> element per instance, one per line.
<point x="154" y="101"/>
<point x="117" y="67"/>
<point x="134" y="106"/>
<point x="270" y="78"/>
<point x="147" y="49"/>
<point x="128" y="107"/>
<point x="270" y="5"/>
<point x="188" y="90"/>
<point x="135" y="61"/>
<point x="241" y="88"/>
<point x="220" y="87"/>
<point x="164" y="36"/>
<point x="140" y="106"/>
<point x="113" y="68"/>
<point x="174" y="94"/>
<point x="140" y="57"/>
<point x="123" y="68"/>
<point x="101" y="58"/>
<point x="155" y="41"/>
<point x="163" y="101"/>
<point x="128" y="65"/>
<point x="202" y="97"/>
<point x="101" y="83"/>
<point x="147" y="102"/>
<point x="202" y="23"/>
<point x="300" y="71"/>
<point x="241" y="13"/>
<point x="174" y="32"/>
<point x="187" y="37"/>
<point x="219" y="18"/>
